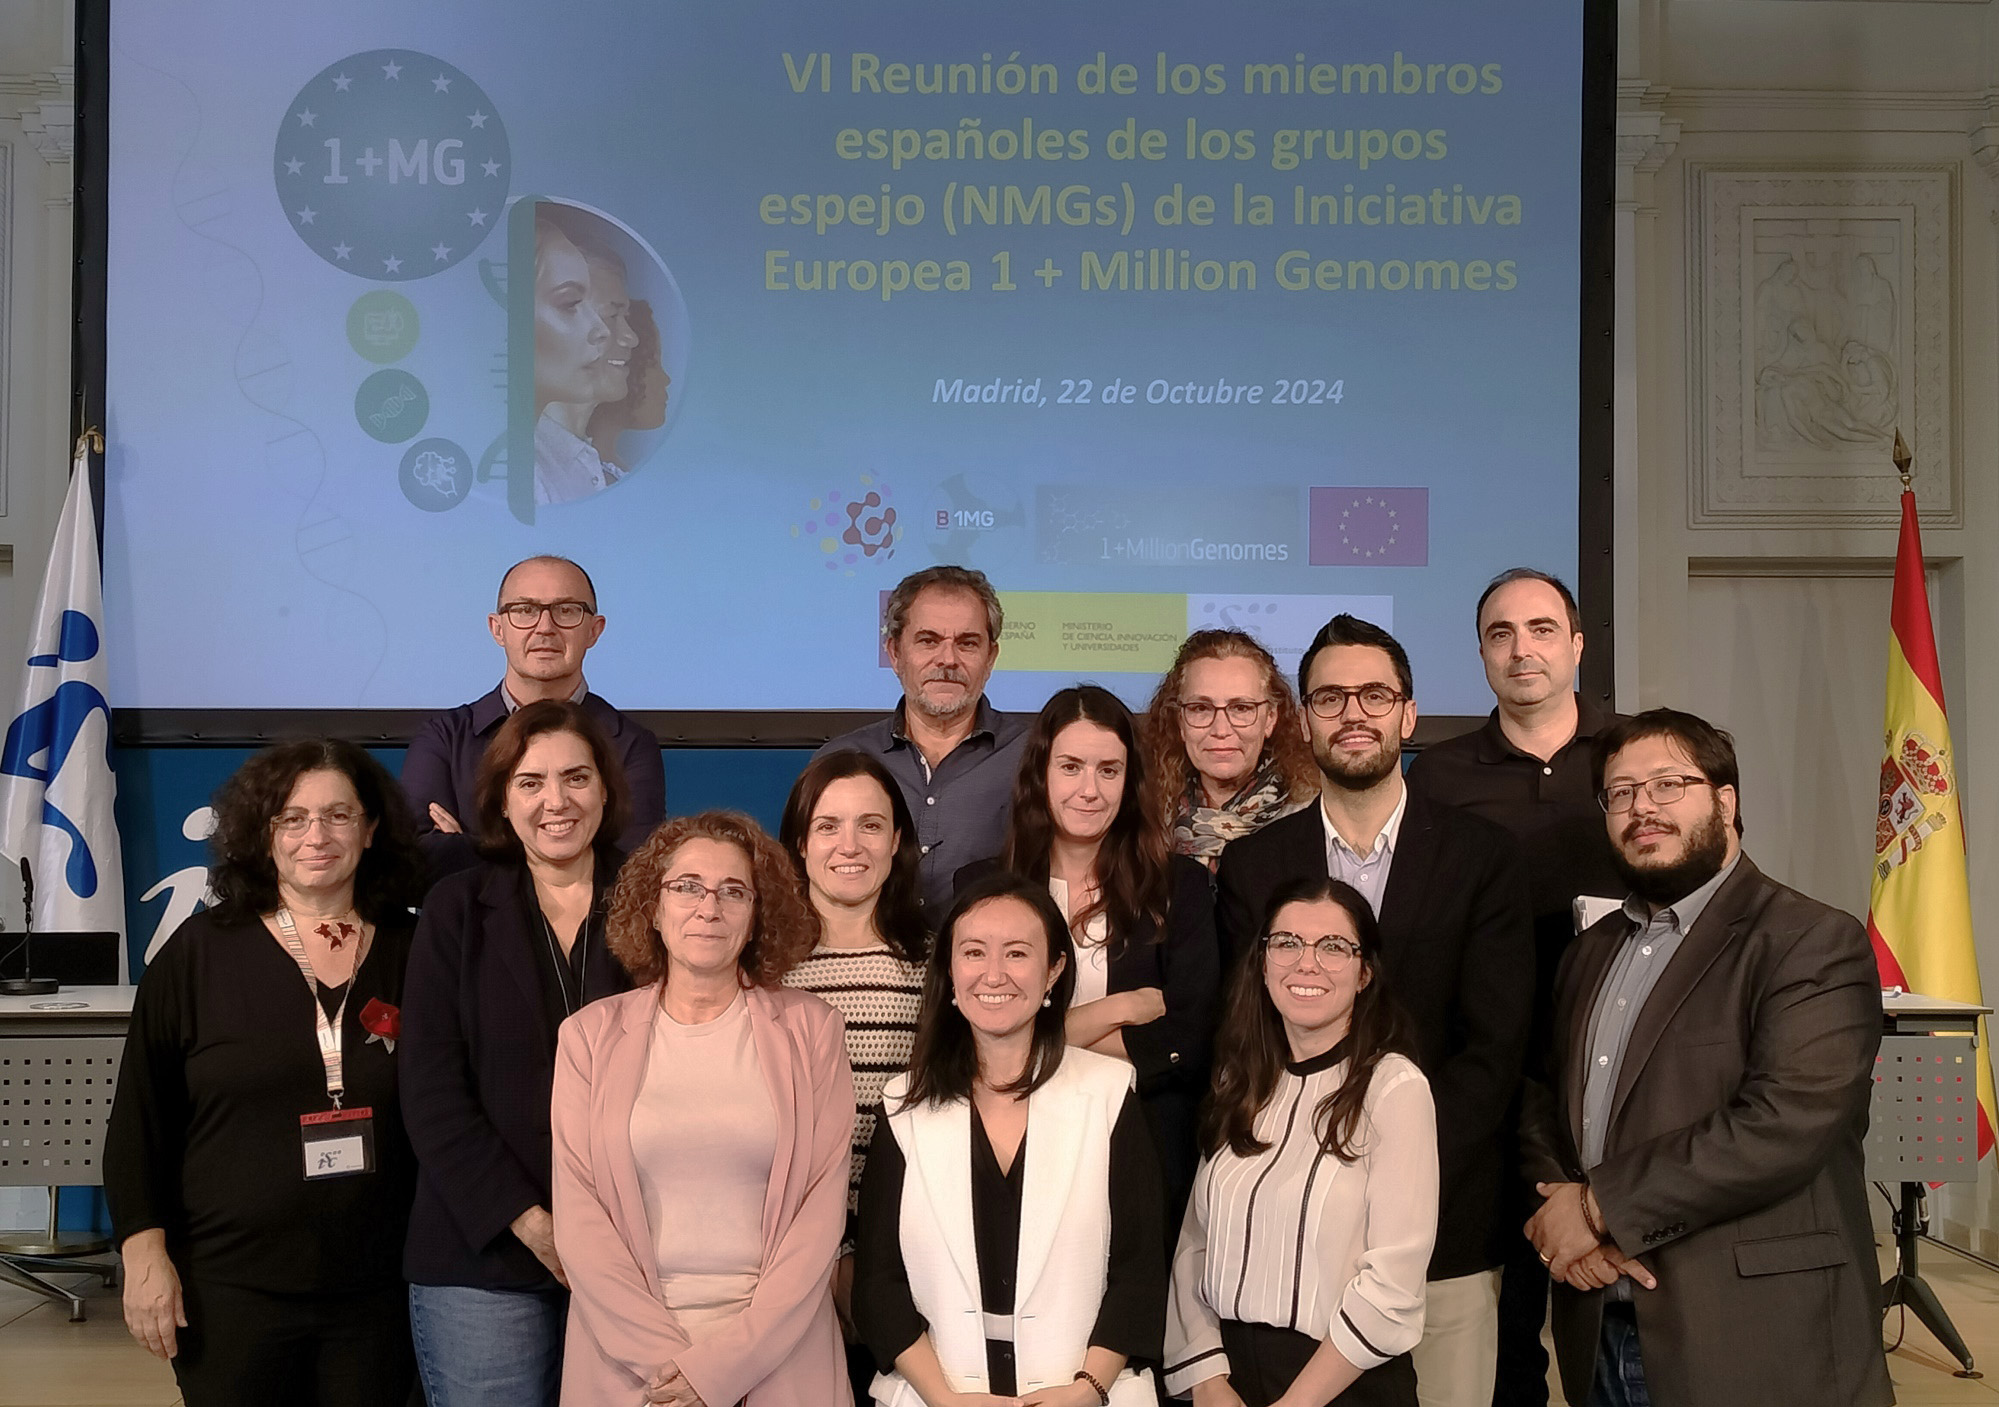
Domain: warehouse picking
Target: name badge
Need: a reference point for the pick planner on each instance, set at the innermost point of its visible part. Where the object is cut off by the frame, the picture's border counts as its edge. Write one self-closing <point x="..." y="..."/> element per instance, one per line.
<point x="338" y="1143"/>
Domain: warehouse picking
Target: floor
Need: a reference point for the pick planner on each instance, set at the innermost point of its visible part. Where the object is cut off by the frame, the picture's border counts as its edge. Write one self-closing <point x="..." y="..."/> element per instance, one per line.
<point x="50" y="1362"/>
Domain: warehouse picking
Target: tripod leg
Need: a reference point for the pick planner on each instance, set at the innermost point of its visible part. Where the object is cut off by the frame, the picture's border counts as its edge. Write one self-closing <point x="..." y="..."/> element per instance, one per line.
<point x="1917" y="1294"/>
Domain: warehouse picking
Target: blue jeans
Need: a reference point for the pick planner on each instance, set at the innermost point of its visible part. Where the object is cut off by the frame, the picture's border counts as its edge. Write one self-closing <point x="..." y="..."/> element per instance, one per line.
<point x="488" y="1348"/>
<point x="1620" y="1371"/>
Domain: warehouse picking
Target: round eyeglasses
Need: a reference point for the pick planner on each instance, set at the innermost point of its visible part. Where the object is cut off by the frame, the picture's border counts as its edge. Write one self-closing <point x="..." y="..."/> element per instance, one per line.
<point x="1374" y="699"/>
<point x="1288" y="950"/>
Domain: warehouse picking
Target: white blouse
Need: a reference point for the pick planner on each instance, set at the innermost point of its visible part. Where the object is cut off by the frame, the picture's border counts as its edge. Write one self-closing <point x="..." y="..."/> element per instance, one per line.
<point x="1093" y="964"/>
<point x="1294" y="1238"/>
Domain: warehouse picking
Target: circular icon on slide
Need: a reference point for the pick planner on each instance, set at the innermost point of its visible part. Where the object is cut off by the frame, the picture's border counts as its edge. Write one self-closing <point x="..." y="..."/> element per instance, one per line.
<point x="382" y="326"/>
<point x="392" y="406"/>
<point x="436" y="475"/>
<point x="392" y="165"/>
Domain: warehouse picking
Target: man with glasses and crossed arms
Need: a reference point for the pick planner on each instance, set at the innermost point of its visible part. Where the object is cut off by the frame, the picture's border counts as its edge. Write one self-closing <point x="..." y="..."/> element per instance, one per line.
<point x="545" y="620"/>
<point x="1698" y="1129"/>
<point x="1457" y="947"/>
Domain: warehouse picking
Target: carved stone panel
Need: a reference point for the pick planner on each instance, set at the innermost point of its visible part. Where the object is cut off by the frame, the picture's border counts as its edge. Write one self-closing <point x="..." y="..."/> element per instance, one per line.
<point x="1823" y="318"/>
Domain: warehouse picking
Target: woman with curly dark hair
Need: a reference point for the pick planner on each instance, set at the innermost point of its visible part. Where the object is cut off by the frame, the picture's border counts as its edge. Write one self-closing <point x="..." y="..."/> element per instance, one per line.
<point x="1226" y="741"/>
<point x="256" y="1166"/>
<point x="701" y="1126"/>
<point x="1085" y="822"/>
<point x="1300" y="1271"/>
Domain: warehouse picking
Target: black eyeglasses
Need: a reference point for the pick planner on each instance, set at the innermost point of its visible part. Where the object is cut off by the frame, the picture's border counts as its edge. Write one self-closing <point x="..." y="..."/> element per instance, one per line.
<point x="1375" y="700"/>
<point x="1660" y="791"/>
<point x="567" y="614"/>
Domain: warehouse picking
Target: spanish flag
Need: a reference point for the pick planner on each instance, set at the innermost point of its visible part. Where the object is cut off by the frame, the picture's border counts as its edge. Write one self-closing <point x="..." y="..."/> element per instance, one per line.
<point x="1919" y="909"/>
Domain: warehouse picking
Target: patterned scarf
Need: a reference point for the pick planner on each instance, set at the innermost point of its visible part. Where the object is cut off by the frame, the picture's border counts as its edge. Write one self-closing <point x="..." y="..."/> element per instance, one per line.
<point x="1201" y="830"/>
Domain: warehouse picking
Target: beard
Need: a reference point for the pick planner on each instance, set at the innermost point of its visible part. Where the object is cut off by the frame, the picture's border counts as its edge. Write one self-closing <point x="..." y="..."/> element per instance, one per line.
<point x="1357" y="771"/>
<point x="938" y="711"/>
<point x="1700" y="861"/>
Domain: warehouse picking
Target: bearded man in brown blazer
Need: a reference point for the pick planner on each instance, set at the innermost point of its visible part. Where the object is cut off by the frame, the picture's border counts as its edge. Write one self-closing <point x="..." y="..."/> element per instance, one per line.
<point x="1698" y="1136"/>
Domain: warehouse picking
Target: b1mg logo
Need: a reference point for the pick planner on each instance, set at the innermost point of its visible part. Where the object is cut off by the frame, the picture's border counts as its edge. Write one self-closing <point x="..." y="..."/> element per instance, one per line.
<point x="976" y="518"/>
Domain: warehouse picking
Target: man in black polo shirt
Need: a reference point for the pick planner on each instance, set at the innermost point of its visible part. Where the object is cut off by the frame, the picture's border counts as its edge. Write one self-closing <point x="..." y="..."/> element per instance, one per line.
<point x="1528" y="769"/>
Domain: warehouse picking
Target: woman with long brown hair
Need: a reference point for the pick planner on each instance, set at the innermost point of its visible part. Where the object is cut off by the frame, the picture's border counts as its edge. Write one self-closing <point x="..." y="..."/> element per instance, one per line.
<point x="1224" y="738"/>
<point x="1300" y="1272"/>
<point x="1085" y="822"/>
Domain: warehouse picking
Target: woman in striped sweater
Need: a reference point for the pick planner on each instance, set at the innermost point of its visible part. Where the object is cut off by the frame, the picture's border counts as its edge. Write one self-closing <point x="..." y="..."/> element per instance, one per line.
<point x="1299" y="1278"/>
<point x="849" y="831"/>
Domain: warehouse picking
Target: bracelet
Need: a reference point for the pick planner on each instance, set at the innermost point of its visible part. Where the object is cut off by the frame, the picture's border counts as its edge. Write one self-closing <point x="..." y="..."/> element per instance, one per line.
<point x="1595" y="1228"/>
<point x="1084" y="1375"/>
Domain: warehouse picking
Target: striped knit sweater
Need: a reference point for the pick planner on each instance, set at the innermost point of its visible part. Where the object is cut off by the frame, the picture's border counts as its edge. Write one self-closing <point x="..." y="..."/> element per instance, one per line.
<point x="879" y="994"/>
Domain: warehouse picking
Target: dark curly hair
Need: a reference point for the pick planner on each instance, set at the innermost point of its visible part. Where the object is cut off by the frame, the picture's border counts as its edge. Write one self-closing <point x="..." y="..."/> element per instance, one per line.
<point x="783" y="927"/>
<point x="898" y="915"/>
<point x="242" y="875"/>
<point x="1133" y="882"/>
<point x="1167" y="751"/>
<point x="497" y="837"/>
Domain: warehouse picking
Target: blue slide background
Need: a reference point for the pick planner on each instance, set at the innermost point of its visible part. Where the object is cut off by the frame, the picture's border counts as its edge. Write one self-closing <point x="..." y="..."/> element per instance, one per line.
<point x="262" y="550"/>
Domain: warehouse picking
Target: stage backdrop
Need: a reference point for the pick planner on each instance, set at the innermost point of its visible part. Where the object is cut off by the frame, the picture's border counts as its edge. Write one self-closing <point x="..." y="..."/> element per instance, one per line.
<point x="1163" y="314"/>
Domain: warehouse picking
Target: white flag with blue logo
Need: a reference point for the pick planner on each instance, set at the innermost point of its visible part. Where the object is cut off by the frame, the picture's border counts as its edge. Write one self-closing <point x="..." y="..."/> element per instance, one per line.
<point x="56" y="785"/>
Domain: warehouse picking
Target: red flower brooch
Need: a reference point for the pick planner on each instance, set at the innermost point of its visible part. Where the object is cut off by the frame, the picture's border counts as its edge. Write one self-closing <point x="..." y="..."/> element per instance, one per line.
<point x="382" y="1022"/>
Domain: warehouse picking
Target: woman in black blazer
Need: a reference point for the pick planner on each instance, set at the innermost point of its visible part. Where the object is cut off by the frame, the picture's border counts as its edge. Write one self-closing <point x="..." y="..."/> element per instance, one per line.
<point x="504" y="953"/>
<point x="1086" y="820"/>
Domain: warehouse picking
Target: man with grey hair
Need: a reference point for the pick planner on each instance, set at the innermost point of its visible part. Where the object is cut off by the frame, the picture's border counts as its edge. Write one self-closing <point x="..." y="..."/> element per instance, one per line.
<point x="953" y="753"/>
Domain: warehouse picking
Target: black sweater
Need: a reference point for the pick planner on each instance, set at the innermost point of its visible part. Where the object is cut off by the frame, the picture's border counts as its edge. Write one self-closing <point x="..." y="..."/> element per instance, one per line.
<point x="220" y="1061"/>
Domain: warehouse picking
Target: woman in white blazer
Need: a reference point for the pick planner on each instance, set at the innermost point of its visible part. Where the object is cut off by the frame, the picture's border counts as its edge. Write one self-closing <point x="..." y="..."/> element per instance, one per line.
<point x="1299" y="1277"/>
<point x="1011" y="1217"/>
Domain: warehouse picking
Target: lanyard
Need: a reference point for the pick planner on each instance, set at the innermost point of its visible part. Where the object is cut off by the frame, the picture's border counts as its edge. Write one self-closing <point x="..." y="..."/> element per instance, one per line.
<point x="328" y="1030"/>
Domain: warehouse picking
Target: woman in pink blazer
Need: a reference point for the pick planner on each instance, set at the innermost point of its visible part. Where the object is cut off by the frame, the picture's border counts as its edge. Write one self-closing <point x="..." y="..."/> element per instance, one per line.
<point x="701" y="1129"/>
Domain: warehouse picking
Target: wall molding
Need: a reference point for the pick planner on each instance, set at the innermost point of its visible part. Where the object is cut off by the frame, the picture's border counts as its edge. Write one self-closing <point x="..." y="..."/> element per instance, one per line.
<point x="1778" y="433"/>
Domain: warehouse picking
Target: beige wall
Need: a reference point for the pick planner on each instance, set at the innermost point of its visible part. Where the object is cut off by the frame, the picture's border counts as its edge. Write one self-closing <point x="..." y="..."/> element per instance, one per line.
<point x="1749" y="589"/>
<point x="37" y="39"/>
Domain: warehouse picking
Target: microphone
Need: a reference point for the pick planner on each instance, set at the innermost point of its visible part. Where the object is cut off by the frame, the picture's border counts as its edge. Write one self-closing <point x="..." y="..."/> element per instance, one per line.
<point x="27" y="984"/>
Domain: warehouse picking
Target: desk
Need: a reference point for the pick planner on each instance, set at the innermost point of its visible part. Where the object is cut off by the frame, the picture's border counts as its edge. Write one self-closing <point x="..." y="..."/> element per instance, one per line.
<point x="1923" y="1127"/>
<point x="59" y="1056"/>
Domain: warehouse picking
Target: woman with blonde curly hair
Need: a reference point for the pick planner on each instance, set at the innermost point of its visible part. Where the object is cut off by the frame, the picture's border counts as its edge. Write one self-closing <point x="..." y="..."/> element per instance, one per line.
<point x="701" y="1126"/>
<point x="1227" y="743"/>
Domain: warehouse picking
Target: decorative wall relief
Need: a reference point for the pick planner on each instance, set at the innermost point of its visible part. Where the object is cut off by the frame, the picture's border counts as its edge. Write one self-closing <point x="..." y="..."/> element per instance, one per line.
<point x="1823" y="317"/>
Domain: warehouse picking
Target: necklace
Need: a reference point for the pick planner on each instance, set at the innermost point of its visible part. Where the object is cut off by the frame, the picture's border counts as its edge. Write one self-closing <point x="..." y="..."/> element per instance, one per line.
<point x="336" y="929"/>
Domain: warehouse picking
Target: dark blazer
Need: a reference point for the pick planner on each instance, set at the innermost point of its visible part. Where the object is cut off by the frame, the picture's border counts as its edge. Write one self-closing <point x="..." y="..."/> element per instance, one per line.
<point x="1457" y="942"/>
<point x="1171" y="1055"/>
<point x="478" y="1068"/>
<point x="1733" y="1162"/>
<point x="442" y="765"/>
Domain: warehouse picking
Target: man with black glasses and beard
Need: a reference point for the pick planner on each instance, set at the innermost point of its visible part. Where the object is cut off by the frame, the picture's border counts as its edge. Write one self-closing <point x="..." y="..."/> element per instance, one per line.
<point x="1457" y="950"/>
<point x="1698" y="1134"/>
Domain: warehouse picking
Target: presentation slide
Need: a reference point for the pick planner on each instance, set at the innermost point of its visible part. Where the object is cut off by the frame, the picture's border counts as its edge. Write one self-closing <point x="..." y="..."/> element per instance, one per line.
<point x="1164" y="315"/>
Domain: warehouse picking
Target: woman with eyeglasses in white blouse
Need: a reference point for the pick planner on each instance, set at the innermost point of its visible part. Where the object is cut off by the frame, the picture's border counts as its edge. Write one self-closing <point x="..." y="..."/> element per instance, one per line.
<point x="1299" y="1278"/>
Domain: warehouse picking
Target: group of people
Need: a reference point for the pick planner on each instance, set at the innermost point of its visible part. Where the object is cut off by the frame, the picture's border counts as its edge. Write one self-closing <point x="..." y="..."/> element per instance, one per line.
<point x="1066" y="1061"/>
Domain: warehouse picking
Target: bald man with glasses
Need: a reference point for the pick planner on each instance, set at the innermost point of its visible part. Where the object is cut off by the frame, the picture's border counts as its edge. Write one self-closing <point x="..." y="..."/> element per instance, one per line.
<point x="545" y="620"/>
